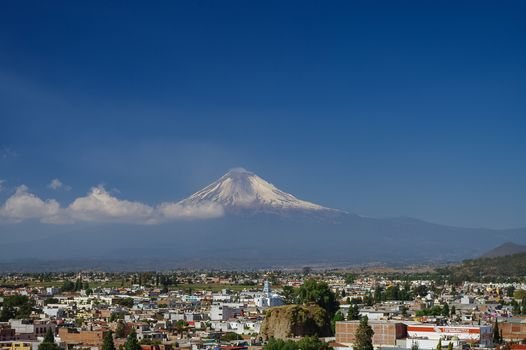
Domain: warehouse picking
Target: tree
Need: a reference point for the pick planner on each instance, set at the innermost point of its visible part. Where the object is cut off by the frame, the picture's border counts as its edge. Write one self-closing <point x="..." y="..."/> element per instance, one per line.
<point x="50" y="301"/>
<point x="306" y="343"/>
<point x="107" y="343"/>
<point x="49" y="342"/>
<point x="354" y="313"/>
<point x="78" y="284"/>
<point x="403" y="310"/>
<point x="131" y="342"/>
<point x="231" y="336"/>
<point x="363" y="339"/>
<point x="439" y="344"/>
<point x="68" y="286"/>
<point x="368" y="299"/>
<point x="7" y="313"/>
<point x="378" y="294"/>
<point x="496" y="333"/>
<point x="289" y="295"/>
<point x="445" y="310"/>
<point x="120" y="331"/>
<point x="450" y="346"/>
<point x="127" y="302"/>
<point x="16" y="306"/>
<point x="414" y="345"/>
<point x="350" y="278"/>
<point x="49" y="338"/>
<point x="312" y="343"/>
<point x="319" y="293"/>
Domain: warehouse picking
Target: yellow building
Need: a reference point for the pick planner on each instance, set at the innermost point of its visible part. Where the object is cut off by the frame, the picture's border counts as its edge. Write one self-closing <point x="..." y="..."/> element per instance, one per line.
<point x="15" y="345"/>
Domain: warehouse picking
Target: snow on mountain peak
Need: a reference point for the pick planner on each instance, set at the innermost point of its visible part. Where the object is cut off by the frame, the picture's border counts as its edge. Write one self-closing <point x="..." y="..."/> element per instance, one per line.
<point x="242" y="189"/>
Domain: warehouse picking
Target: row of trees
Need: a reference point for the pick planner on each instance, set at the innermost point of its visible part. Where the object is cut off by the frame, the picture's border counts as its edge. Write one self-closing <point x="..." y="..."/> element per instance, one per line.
<point x="70" y="286"/>
<point x="437" y="310"/>
<point x="393" y="293"/>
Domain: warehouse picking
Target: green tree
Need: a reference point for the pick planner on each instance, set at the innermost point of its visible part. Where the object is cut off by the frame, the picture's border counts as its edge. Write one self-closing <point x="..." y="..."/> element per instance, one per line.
<point x="49" y="342"/>
<point x="403" y="310"/>
<point x="16" y="306"/>
<point x="306" y="343"/>
<point x="354" y="313"/>
<point x="78" y="284"/>
<point x="350" y="278"/>
<point x="319" y="293"/>
<point x="445" y="310"/>
<point x="368" y="299"/>
<point x="439" y="344"/>
<point x="231" y="336"/>
<point x="68" y="286"/>
<point x="127" y="302"/>
<point x="120" y="331"/>
<point x="131" y="342"/>
<point x="312" y="343"/>
<point x="7" y="313"/>
<point x="108" y="343"/>
<point x="377" y="294"/>
<point x="363" y="339"/>
<point x="49" y="337"/>
<point x="414" y="345"/>
<point x="50" y="301"/>
<point x="289" y="295"/>
<point x="450" y="346"/>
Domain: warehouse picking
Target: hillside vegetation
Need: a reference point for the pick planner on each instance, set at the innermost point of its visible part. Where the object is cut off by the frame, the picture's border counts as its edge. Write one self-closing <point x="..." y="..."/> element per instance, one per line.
<point x="499" y="269"/>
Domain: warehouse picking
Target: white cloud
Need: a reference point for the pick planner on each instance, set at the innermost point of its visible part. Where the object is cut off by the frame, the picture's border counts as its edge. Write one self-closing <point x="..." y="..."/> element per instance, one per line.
<point x="23" y="205"/>
<point x="100" y="206"/>
<point x="56" y="184"/>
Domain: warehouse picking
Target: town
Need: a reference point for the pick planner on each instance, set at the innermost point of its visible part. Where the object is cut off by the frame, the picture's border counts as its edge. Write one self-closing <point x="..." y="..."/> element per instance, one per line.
<point x="253" y="310"/>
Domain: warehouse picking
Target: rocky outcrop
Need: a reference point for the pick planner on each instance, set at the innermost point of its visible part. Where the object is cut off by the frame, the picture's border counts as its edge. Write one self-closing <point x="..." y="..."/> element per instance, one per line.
<point x="295" y="321"/>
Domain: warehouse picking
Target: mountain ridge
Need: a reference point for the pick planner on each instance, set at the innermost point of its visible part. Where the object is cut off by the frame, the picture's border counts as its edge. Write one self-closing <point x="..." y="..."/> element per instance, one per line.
<point x="262" y="226"/>
<point x="505" y="249"/>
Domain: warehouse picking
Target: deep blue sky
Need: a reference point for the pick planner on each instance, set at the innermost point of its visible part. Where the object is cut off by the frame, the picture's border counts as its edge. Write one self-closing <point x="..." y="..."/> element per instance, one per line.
<point x="382" y="108"/>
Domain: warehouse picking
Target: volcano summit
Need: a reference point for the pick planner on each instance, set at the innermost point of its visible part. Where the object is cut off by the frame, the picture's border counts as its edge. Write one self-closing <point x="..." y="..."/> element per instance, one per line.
<point x="241" y="190"/>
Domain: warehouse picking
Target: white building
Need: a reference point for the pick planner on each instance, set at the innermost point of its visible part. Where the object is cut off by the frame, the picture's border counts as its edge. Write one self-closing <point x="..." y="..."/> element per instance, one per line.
<point x="481" y="335"/>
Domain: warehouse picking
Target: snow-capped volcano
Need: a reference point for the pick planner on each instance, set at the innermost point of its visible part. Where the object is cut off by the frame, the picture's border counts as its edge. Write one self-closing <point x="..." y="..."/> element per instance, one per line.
<point x="241" y="189"/>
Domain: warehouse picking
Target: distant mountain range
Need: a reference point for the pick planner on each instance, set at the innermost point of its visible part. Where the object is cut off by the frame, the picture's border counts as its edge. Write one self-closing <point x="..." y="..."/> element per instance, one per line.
<point x="261" y="227"/>
<point x="508" y="248"/>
